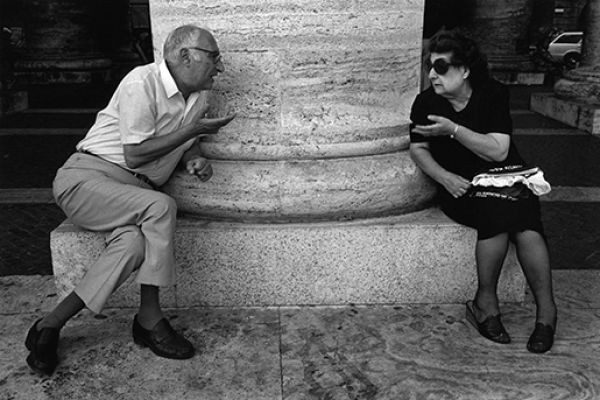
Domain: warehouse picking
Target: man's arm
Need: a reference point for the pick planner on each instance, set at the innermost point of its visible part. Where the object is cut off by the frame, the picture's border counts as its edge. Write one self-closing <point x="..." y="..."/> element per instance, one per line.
<point x="150" y="149"/>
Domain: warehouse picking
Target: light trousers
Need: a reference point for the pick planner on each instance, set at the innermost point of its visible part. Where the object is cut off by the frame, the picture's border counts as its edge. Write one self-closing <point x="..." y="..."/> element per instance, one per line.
<point x="100" y="196"/>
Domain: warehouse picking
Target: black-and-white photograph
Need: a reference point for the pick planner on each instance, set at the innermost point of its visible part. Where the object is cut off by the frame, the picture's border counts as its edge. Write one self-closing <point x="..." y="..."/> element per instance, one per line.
<point x="300" y="199"/>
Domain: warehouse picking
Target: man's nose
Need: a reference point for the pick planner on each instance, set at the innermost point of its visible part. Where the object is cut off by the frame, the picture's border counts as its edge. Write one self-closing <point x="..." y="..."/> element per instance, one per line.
<point x="220" y="67"/>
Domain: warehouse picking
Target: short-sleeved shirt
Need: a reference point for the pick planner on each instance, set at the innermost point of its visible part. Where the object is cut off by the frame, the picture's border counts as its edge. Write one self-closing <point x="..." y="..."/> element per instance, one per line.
<point x="487" y="111"/>
<point x="146" y="104"/>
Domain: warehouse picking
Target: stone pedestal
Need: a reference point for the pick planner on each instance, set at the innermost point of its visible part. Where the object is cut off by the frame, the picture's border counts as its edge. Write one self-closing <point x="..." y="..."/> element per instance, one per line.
<point x="576" y="99"/>
<point x="420" y="257"/>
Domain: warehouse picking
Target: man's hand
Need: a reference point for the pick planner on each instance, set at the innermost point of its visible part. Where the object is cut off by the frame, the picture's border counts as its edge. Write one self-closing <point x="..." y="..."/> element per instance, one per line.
<point x="441" y="127"/>
<point x="209" y="126"/>
<point x="200" y="167"/>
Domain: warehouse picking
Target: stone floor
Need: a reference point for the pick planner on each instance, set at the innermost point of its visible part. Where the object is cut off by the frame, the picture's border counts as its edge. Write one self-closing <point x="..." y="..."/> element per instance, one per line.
<point x="355" y="352"/>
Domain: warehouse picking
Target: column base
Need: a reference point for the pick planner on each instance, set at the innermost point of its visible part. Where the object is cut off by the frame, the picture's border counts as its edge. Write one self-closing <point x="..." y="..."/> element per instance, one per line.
<point x="422" y="257"/>
<point x="519" y="77"/>
<point x="574" y="113"/>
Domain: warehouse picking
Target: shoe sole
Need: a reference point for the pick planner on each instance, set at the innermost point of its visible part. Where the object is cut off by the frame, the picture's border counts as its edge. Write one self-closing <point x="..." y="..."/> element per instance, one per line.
<point x="143" y="344"/>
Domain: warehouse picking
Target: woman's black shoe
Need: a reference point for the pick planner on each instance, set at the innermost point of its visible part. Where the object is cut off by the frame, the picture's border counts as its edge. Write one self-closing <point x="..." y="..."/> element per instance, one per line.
<point x="491" y="328"/>
<point x="163" y="340"/>
<point x="42" y="345"/>
<point x="542" y="338"/>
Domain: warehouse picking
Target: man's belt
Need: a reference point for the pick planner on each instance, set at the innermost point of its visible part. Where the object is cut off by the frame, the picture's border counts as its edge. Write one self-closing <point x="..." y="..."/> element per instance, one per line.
<point x="139" y="176"/>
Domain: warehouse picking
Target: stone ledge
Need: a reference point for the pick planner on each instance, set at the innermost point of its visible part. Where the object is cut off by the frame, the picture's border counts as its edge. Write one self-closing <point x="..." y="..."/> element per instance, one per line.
<point x="421" y="257"/>
<point x="571" y="112"/>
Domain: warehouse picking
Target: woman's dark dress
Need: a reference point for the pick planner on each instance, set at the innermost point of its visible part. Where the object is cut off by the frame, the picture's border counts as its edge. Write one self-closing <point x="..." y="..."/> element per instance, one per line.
<point x="487" y="111"/>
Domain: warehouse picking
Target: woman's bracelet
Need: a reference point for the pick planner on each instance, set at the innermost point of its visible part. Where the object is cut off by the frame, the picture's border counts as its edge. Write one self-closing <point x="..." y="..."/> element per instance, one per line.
<point x="454" y="132"/>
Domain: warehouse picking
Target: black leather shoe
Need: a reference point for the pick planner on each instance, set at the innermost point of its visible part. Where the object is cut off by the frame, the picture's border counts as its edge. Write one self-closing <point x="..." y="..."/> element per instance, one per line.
<point x="163" y="340"/>
<point x="491" y="328"/>
<point x="542" y="338"/>
<point x="42" y="346"/>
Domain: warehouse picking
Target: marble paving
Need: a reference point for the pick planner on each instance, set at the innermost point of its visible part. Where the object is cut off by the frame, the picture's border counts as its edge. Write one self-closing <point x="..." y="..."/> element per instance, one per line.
<point x="407" y="351"/>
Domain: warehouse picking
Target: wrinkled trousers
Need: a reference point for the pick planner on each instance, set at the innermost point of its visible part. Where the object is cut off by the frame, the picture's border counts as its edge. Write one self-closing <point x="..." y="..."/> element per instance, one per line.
<point x="100" y="196"/>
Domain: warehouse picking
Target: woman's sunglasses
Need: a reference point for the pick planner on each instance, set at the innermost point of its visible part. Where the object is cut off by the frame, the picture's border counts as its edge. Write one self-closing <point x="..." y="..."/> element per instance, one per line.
<point x="440" y="66"/>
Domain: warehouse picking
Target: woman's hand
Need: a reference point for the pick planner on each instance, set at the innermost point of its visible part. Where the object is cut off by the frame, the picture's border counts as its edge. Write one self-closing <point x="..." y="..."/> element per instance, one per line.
<point x="441" y="127"/>
<point x="456" y="185"/>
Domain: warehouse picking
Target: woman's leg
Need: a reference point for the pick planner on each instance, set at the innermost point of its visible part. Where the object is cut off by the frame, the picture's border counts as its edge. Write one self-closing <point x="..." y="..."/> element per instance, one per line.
<point x="533" y="256"/>
<point x="490" y="254"/>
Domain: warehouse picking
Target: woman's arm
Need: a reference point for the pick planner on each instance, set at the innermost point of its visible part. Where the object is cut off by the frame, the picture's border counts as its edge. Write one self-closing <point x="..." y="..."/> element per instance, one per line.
<point x="454" y="184"/>
<point x="490" y="146"/>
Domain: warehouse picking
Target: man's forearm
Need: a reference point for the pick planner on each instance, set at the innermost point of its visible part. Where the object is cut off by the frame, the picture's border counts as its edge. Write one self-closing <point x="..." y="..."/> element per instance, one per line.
<point x="153" y="148"/>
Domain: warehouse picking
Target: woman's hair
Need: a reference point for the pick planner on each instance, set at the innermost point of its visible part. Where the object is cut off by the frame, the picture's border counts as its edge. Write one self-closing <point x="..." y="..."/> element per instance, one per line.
<point x="464" y="51"/>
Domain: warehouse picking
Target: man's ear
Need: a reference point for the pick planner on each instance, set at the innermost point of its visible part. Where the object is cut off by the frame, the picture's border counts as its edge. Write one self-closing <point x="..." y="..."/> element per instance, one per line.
<point x="185" y="55"/>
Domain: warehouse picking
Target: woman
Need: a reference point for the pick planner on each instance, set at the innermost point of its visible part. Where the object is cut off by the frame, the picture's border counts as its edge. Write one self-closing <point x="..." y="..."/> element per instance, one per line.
<point x="460" y="127"/>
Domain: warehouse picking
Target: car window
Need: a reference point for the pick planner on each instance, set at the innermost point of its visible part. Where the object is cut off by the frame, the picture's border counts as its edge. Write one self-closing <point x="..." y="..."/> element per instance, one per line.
<point x="568" y="38"/>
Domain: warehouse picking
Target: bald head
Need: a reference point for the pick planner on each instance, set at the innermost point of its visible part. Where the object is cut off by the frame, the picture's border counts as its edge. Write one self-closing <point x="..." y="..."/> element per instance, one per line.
<point x="187" y="36"/>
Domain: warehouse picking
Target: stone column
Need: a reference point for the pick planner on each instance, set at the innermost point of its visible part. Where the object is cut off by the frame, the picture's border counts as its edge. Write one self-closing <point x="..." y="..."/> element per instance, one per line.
<point x="60" y="43"/>
<point x="576" y="99"/>
<point x="322" y="92"/>
<point x="501" y="29"/>
<point x="583" y="83"/>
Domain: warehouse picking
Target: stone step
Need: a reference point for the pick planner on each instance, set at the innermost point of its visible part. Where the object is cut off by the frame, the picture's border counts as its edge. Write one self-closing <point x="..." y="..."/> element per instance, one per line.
<point x="48" y="120"/>
<point x="422" y="257"/>
<point x="573" y="113"/>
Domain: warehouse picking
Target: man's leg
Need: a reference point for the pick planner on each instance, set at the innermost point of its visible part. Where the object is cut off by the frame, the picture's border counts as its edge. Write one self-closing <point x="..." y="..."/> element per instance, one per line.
<point x="101" y="203"/>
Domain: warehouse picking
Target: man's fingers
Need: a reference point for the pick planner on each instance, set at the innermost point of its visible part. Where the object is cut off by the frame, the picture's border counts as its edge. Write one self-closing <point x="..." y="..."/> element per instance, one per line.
<point x="221" y="121"/>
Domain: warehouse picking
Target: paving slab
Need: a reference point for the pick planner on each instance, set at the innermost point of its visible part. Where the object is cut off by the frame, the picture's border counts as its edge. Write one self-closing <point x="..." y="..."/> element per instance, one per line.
<point x="391" y="352"/>
<point x="238" y="359"/>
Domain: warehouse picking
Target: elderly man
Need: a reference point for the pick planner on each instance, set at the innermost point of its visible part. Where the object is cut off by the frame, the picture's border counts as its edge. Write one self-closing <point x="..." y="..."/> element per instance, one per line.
<point x="152" y="122"/>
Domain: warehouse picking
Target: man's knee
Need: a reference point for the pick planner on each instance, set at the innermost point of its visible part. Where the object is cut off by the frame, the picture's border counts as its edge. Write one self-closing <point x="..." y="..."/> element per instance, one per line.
<point x="163" y="205"/>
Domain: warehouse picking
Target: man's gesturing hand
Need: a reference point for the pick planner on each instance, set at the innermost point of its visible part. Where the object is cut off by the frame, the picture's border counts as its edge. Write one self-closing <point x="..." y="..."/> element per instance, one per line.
<point x="200" y="167"/>
<point x="209" y="126"/>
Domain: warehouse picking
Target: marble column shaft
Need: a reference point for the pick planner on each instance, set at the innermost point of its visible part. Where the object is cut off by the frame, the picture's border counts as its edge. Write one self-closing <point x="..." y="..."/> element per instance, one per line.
<point x="322" y="92"/>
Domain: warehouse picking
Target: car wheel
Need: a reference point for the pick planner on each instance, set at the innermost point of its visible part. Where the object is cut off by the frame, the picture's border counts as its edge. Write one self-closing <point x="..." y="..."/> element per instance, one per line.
<point x="572" y="60"/>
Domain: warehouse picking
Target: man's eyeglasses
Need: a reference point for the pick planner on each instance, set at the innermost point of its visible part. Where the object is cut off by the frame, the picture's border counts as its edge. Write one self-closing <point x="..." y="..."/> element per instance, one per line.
<point x="440" y="66"/>
<point x="214" y="55"/>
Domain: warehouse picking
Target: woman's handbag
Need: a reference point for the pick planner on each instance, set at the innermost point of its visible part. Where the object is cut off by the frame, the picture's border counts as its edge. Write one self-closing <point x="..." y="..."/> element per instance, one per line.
<point x="511" y="182"/>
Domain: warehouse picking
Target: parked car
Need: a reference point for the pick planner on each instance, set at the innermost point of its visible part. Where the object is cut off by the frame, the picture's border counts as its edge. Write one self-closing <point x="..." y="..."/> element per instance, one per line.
<point x="566" y="48"/>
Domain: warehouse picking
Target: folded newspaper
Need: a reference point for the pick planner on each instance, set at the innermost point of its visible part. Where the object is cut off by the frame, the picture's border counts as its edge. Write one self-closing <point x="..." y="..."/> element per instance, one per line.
<point x="532" y="177"/>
